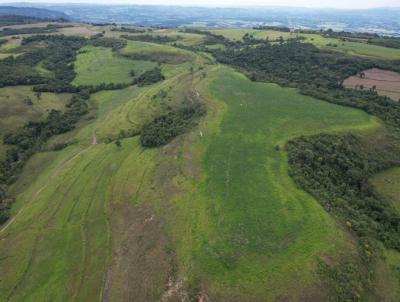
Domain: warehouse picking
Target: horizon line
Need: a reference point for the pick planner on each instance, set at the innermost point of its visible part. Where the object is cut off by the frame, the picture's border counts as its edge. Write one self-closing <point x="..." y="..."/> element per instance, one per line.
<point x="196" y="5"/>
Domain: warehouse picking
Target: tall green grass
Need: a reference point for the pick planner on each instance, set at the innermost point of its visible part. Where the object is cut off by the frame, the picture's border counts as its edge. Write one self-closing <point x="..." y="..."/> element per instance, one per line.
<point x="245" y="228"/>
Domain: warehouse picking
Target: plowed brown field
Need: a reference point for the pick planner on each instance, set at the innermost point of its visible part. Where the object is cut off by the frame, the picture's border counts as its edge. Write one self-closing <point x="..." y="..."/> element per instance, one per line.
<point x="386" y="82"/>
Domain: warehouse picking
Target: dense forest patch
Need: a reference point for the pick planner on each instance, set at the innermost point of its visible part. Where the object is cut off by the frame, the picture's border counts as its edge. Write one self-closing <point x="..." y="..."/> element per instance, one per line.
<point x="336" y="170"/>
<point x="164" y="57"/>
<point x="151" y="38"/>
<point x="177" y="121"/>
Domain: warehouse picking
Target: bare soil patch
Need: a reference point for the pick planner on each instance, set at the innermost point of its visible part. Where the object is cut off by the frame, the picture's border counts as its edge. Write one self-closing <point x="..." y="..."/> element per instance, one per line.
<point x="386" y="82"/>
<point x="140" y="261"/>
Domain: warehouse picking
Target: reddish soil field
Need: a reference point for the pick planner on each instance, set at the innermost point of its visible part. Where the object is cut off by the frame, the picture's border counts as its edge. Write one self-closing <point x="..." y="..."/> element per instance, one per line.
<point x="386" y="82"/>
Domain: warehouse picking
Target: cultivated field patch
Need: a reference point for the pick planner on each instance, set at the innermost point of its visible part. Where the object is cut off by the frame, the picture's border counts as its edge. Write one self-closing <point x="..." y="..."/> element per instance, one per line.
<point x="384" y="81"/>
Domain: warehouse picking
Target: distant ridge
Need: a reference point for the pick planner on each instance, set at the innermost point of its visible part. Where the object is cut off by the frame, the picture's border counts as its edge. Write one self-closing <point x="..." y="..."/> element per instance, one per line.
<point x="41" y="13"/>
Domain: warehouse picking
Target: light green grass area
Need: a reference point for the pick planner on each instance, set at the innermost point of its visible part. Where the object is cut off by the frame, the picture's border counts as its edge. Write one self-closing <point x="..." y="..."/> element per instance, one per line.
<point x="15" y="109"/>
<point x="129" y="108"/>
<point x="350" y="48"/>
<point x="158" y="50"/>
<point x="244" y="228"/>
<point x="354" y="48"/>
<point x="59" y="248"/>
<point x="388" y="184"/>
<point x="95" y="65"/>
<point x="183" y="38"/>
<point x="11" y="43"/>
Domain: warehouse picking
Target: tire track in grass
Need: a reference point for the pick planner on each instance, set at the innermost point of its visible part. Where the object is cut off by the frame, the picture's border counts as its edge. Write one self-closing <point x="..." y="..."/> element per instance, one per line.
<point x="84" y="234"/>
<point x="55" y="173"/>
<point x="39" y="236"/>
<point x="104" y="293"/>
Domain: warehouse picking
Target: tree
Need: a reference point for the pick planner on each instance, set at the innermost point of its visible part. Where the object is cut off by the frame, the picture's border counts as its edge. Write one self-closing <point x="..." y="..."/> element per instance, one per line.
<point x="118" y="143"/>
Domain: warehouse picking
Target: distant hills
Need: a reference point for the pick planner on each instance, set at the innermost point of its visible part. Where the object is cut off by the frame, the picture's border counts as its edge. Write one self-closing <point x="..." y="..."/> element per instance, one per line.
<point x="34" y="12"/>
<point x="380" y="20"/>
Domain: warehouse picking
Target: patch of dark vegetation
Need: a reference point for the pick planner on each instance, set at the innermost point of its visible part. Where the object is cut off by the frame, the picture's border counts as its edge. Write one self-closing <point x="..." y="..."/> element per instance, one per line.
<point x="275" y="28"/>
<point x="151" y="38"/>
<point x="211" y="38"/>
<point x="56" y="56"/>
<point x="336" y="168"/>
<point x="177" y="121"/>
<point x="3" y="41"/>
<point x="130" y="30"/>
<point x="149" y="77"/>
<point x="162" y="57"/>
<point x="114" y="43"/>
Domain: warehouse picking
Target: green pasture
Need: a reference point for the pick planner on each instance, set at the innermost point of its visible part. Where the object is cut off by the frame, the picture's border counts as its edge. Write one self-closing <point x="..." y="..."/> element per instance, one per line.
<point x="95" y="65"/>
<point x="15" y="109"/>
<point x="350" y="48"/>
<point x="245" y="228"/>
<point x="182" y="37"/>
<point x="387" y="184"/>
<point x="60" y="244"/>
<point x="157" y="52"/>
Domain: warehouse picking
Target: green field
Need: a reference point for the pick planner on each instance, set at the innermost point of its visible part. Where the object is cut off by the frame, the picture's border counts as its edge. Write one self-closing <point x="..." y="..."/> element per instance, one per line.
<point x="15" y="111"/>
<point x="158" y="52"/>
<point x="350" y="48"/>
<point x="246" y="224"/>
<point x="387" y="184"/>
<point x="95" y="65"/>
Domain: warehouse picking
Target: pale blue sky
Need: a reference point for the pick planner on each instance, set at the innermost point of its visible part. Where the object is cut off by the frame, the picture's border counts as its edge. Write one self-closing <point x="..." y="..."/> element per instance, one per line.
<point x="301" y="3"/>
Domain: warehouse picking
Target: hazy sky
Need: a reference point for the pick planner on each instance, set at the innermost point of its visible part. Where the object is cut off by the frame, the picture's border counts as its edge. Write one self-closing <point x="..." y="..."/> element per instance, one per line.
<point x="303" y="3"/>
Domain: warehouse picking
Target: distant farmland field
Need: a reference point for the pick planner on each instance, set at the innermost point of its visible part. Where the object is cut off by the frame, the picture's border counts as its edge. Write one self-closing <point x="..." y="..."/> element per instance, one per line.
<point x="386" y="82"/>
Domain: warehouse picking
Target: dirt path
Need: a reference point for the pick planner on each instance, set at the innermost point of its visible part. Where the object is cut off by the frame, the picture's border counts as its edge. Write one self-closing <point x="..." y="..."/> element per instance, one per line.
<point x="94" y="137"/>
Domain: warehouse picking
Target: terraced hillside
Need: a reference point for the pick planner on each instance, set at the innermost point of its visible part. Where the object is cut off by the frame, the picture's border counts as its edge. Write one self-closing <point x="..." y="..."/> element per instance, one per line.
<point x="212" y="215"/>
